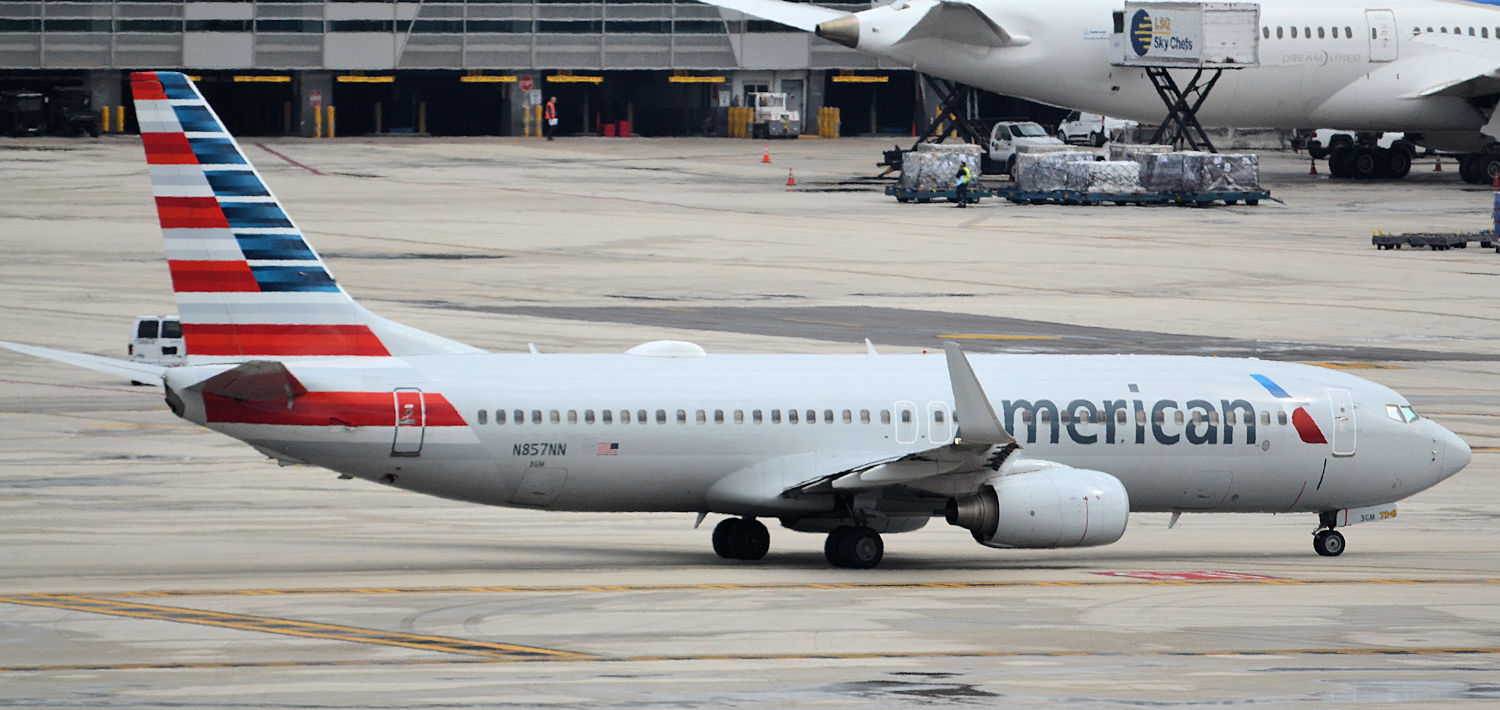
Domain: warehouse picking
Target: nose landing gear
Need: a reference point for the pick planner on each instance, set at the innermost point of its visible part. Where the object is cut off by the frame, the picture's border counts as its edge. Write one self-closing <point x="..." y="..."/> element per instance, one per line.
<point x="1328" y="543"/>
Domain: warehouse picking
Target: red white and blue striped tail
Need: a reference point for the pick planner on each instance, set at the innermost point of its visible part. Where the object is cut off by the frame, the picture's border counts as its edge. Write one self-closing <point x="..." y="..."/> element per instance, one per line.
<point x="248" y="284"/>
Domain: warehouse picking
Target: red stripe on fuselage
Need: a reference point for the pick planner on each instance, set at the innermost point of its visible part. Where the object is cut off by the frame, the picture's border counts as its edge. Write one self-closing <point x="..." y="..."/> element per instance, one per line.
<point x="144" y="86"/>
<point x="212" y="277"/>
<point x="168" y="148"/>
<point x="353" y="409"/>
<point x="281" y="339"/>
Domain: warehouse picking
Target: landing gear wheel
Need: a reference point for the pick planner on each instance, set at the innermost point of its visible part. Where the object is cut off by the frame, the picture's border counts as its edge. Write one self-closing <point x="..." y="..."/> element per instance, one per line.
<point x="1365" y="165"/>
<point x="1486" y="168"/>
<point x="853" y="547"/>
<point x="1466" y="167"/>
<point x="1340" y="161"/>
<point x="1397" y="163"/>
<point x="1328" y="543"/>
<point x="741" y="539"/>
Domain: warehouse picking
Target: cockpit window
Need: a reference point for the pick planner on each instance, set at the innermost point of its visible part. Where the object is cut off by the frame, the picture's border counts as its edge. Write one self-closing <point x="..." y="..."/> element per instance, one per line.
<point x="1401" y="413"/>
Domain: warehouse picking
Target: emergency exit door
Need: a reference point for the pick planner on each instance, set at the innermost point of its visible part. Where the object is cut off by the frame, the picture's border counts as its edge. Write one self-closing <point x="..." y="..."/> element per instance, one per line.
<point x="411" y="422"/>
<point x="1343" y="422"/>
<point x="1382" y="35"/>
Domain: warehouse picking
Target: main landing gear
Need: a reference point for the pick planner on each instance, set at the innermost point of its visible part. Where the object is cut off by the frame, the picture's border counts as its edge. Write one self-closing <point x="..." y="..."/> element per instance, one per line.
<point x="1368" y="162"/>
<point x="853" y="547"/>
<point x="1327" y="541"/>
<point x="741" y="539"/>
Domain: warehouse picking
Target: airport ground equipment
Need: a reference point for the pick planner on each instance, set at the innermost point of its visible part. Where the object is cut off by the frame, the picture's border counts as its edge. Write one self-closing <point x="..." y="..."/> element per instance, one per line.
<point x="951" y="195"/>
<point x="1436" y="241"/>
<point x="772" y="118"/>
<point x="70" y="112"/>
<point x="1181" y="199"/>
<point x="1206" y="38"/>
<point x="956" y="116"/>
<point x="23" y="113"/>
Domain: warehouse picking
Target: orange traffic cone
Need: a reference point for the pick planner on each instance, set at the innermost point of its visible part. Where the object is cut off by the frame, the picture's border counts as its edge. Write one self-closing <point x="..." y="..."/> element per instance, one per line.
<point x="1439" y="166"/>
<point x="1313" y="169"/>
<point x="766" y="157"/>
<point x="790" y="181"/>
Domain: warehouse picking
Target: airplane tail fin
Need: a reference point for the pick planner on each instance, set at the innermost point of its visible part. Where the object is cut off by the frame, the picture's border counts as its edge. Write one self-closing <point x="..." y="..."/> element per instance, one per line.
<point x="248" y="284"/>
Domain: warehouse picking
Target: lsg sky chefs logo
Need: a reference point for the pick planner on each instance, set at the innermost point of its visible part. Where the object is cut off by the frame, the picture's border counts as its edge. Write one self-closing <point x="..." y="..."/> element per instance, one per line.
<point x="1147" y="34"/>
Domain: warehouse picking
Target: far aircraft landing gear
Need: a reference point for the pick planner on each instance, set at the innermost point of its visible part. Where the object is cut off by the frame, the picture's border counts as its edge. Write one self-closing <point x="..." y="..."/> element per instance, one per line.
<point x="1369" y="163"/>
<point x="1327" y="541"/>
<point x="853" y="547"/>
<point x="741" y="539"/>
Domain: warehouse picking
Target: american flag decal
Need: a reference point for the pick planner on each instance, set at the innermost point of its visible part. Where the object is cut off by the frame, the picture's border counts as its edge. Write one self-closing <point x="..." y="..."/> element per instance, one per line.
<point x="608" y="448"/>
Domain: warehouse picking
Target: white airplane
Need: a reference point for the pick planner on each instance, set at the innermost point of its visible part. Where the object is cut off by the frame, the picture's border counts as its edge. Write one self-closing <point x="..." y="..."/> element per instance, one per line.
<point x="283" y="359"/>
<point x="1427" y="67"/>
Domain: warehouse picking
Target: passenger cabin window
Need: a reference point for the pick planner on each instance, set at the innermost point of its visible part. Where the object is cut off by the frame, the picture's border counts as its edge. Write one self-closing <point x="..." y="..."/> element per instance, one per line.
<point x="1265" y="419"/>
<point x="848" y="417"/>
<point x="482" y="417"/>
<point x="1278" y="32"/>
<point x="1281" y="418"/>
<point x="682" y="416"/>
<point x="864" y="416"/>
<point x="811" y="416"/>
<point x="640" y="416"/>
<point x="885" y="416"/>
<point x="701" y="417"/>
<point x="739" y="416"/>
<point x="661" y="416"/>
<point x="791" y="416"/>
<point x="1320" y="33"/>
<point x="718" y="416"/>
<point x="828" y="416"/>
<point x="624" y="416"/>
<point x="1265" y="31"/>
<point x="588" y="416"/>
<point x="604" y="416"/>
<point x="554" y="416"/>
<point x="1294" y="33"/>
<point x="520" y="417"/>
<point x="536" y="416"/>
<point x="572" y="416"/>
<point x="756" y="417"/>
<point x="499" y="416"/>
<point x="776" y="416"/>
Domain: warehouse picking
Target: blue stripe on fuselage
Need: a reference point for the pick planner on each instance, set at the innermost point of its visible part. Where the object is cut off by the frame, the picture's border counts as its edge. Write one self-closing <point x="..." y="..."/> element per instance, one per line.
<point x="1275" y="389"/>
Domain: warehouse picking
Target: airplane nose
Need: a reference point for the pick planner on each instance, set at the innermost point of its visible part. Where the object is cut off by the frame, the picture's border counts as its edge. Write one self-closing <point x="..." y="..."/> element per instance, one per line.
<point x="1456" y="453"/>
<point x="844" y="30"/>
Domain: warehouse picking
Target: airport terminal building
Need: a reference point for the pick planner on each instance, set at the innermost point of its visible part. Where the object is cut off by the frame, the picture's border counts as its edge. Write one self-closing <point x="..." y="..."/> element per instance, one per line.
<point x="454" y="67"/>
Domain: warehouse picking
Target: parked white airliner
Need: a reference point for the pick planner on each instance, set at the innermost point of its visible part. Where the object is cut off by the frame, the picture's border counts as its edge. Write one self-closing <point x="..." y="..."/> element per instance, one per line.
<point x="1056" y="455"/>
<point x="1427" y="67"/>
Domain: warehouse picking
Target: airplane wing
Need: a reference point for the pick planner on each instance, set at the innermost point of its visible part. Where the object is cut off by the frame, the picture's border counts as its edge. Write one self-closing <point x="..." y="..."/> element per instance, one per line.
<point x="799" y="15"/>
<point x="135" y="371"/>
<point x="1475" y="64"/>
<point x="982" y="446"/>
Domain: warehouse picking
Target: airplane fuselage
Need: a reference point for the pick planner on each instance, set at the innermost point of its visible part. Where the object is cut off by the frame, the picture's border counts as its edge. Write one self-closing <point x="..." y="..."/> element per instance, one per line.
<point x="1331" y="73"/>
<point x="624" y="432"/>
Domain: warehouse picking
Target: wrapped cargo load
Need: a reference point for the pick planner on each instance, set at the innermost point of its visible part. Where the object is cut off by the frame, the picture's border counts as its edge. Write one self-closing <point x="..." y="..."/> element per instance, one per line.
<point x="1105" y="177"/>
<point x="1135" y="151"/>
<point x="1047" y="172"/>
<point x="1045" y="148"/>
<point x="1233" y="172"/>
<point x="1162" y="172"/>
<point x="948" y="148"/>
<point x="934" y="171"/>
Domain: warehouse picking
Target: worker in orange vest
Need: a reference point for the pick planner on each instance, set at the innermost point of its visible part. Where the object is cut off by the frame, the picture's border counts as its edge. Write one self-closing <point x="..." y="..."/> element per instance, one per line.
<point x="550" y="114"/>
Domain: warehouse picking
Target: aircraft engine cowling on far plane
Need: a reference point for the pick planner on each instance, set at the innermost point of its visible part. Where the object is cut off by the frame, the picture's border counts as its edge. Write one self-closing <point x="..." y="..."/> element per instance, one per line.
<point x="1052" y="507"/>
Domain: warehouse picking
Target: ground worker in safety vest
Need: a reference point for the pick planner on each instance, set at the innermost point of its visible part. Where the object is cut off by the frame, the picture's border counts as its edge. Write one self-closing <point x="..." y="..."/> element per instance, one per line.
<point x="549" y="114"/>
<point x="962" y="181"/>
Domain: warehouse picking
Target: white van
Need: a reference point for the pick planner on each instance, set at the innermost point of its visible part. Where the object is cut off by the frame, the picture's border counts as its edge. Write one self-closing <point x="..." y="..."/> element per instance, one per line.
<point x="157" y="340"/>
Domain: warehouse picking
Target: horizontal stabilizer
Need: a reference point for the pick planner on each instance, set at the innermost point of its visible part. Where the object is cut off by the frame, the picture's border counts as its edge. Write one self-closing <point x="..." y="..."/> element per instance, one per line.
<point x="257" y="380"/>
<point x="799" y="15"/>
<point x="963" y="23"/>
<point x="135" y="371"/>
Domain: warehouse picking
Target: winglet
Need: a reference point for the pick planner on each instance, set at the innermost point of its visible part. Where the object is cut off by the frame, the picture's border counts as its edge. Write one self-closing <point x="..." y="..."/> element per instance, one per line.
<point x="977" y="421"/>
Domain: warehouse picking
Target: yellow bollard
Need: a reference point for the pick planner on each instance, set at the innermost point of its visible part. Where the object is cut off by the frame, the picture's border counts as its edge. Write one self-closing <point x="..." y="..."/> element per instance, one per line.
<point x="330" y="122"/>
<point x="119" y="119"/>
<point x="104" y="120"/>
<point x="317" y="122"/>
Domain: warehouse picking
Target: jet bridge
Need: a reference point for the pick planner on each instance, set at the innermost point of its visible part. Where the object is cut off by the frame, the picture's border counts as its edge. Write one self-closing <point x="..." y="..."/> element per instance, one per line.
<point x="1205" y="38"/>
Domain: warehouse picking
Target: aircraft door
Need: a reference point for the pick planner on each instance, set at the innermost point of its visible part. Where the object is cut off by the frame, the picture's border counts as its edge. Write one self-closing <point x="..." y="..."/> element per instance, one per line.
<point x="905" y="422"/>
<point x="411" y="422"/>
<point x="1382" y="35"/>
<point x="940" y="421"/>
<point x="1343" y="422"/>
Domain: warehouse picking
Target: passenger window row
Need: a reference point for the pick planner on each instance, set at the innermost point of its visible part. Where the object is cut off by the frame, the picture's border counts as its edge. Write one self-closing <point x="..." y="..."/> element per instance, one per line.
<point x="682" y="416"/>
<point x="1307" y="32"/>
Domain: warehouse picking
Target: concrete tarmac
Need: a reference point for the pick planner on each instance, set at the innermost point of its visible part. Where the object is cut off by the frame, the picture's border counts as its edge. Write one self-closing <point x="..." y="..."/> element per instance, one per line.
<point x="148" y="563"/>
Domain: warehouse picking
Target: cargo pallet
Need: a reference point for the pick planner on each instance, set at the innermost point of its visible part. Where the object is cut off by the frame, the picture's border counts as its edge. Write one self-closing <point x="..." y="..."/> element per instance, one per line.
<point x="1192" y="199"/>
<point x="908" y="195"/>
<point x="1436" y="241"/>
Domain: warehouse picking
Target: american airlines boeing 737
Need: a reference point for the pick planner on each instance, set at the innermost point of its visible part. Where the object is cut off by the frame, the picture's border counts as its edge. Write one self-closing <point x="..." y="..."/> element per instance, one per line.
<point x="1427" y="67"/>
<point x="1023" y="451"/>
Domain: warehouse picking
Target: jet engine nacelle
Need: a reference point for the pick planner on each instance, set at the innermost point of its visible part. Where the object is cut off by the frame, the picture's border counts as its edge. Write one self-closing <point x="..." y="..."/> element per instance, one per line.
<point x="1053" y="507"/>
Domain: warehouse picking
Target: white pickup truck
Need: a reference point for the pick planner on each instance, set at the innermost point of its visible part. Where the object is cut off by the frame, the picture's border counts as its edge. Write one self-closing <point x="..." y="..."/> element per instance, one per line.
<point x="1006" y="135"/>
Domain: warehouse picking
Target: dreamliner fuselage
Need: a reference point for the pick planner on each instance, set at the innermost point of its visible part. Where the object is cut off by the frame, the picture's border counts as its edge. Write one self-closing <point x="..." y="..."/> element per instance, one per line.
<point x="1331" y="72"/>
<point x="623" y="432"/>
